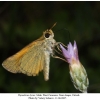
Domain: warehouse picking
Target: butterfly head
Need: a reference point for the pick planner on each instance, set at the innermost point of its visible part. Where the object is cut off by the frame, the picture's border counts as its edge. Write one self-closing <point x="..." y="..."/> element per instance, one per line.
<point x="48" y="34"/>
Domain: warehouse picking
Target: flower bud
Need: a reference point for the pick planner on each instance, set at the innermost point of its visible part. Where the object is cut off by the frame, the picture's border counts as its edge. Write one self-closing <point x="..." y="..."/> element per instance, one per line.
<point x="77" y="71"/>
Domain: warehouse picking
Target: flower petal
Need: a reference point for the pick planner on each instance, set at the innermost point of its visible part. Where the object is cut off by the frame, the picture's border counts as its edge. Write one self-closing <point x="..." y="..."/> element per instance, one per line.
<point x="70" y="50"/>
<point x="71" y="53"/>
<point x="75" y="51"/>
<point x="65" y="53"/>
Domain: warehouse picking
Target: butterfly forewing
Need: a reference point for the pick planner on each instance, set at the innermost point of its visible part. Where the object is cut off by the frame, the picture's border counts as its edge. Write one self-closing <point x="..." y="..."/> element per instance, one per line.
<point x="32" y="62"/>
<point x="27" y="60"/>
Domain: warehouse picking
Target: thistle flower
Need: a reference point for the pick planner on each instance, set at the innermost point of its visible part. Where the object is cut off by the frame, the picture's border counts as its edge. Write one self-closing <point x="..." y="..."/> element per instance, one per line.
<point x="77" y="71"/>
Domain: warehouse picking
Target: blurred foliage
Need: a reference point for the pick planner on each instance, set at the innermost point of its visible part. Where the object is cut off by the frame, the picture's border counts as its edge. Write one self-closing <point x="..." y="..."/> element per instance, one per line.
<point x="23" y="22"/>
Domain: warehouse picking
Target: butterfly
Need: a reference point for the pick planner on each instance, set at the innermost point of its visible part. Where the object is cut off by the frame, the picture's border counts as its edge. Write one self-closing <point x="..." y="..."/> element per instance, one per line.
<point x="33" y="58"/>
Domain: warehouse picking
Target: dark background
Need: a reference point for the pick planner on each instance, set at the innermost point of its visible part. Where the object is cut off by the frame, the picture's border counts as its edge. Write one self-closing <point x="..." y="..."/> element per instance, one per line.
<point x="23" y="22"/>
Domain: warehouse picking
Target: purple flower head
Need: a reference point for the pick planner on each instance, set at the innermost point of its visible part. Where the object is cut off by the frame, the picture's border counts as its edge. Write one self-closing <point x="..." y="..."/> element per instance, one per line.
<point x="71" y="53"/>
<point x="77" y="70"/>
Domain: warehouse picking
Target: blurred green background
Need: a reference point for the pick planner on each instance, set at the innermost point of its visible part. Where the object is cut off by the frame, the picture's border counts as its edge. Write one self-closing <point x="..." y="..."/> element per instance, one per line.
<point x="23" y="22"/>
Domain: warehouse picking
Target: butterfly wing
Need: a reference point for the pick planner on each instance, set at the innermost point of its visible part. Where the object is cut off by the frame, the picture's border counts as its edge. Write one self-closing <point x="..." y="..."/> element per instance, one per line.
<point x="30" y="60"/>
<point x="33" y="61"/>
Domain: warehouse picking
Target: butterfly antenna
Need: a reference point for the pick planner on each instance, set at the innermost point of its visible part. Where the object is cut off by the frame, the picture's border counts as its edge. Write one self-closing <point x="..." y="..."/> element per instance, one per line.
<point x="53" y="25"/>
<point x="68" y="34"/>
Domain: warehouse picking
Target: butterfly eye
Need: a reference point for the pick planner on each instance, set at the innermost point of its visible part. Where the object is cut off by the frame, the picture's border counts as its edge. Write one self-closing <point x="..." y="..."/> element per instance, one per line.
<point x="47" y="35"/>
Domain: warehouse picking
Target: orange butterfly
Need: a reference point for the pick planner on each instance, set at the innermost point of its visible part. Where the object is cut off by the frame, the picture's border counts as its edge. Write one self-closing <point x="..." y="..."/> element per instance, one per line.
<point x="33" y="58"/>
